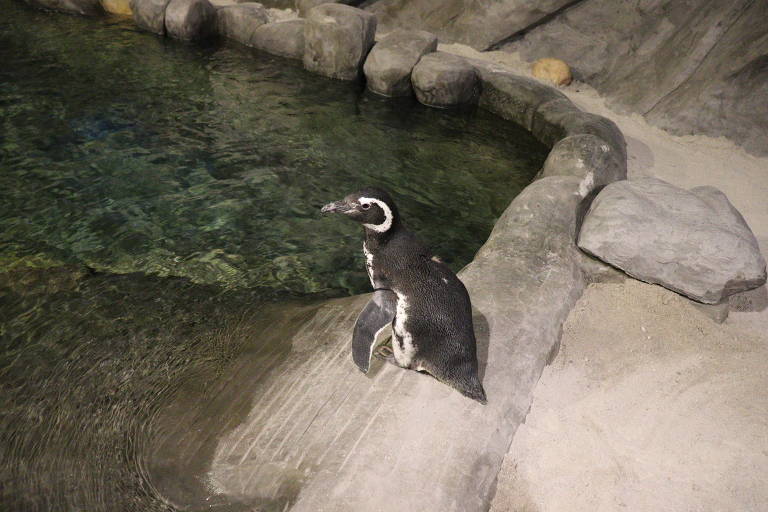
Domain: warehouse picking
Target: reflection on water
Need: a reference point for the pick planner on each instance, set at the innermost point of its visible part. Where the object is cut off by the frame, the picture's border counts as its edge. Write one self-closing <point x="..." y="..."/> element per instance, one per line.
<point x="154" y="195"/>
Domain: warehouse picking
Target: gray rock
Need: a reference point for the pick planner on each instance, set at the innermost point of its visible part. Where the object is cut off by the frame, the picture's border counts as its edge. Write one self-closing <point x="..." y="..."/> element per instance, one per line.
<point x="516" y="98"/>
<point x="389" y="65"/>
<point x="190" y="19"/>
<point x="478" y="24"/>
<point x="545" y="111"/>
<point x="240" y="22"/>
<point x="444" y="80"/>
<point x="304" y="6"/>
<point x="588" y="157"/>
<point x="283" y="38"/>
<point x="714" y="77"/>
<point x="82" y="7"/>
<point x="150" y="14"/>
<point x="337" y="38"/>
<point x="692" y="242"/>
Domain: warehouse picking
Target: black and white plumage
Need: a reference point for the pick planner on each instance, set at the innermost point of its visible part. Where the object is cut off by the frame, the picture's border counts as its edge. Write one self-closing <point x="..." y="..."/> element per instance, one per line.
<point x="425" y="302"/>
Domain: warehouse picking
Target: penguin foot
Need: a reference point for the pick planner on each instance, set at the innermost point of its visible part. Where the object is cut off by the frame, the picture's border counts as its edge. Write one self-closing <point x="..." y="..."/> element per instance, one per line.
<point x="385" y="353"/>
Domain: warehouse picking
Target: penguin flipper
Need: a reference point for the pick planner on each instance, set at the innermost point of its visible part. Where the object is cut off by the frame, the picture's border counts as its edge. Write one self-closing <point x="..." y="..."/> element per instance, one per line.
<point x="376" y="315"/>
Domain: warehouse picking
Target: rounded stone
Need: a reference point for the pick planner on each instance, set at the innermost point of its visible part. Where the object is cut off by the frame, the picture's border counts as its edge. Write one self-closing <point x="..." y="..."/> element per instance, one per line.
<point x="337" y="39"/>
<point x="444" y="80"/>
<point x="282" y="38"/>
<point x="389" y="65"/>
<point x="190" y="19"/>
<point x="240" y="21"/>
<point x="554" y="71"/>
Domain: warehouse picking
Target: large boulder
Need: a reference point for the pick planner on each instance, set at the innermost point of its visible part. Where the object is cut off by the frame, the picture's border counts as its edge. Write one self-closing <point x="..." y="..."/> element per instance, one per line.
<point x="282" y="38"/>
<point x="389" y="65"/>
<point x="337" y="38"/>
<point x="150" y="14"/>
<point x="240" y="22"/>
<point x="444" y="80"/>
<point x="693" y="241"/>
<point x="190" y="19"/>
<point x="82" y="7"/>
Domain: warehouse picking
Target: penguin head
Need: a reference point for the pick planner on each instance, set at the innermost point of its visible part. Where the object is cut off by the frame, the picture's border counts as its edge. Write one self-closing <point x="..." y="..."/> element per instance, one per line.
<point x="372" y="207"/>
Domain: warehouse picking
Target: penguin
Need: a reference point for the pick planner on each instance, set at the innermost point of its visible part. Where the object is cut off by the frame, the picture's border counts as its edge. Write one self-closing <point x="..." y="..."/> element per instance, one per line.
<point x="416" y="293"/>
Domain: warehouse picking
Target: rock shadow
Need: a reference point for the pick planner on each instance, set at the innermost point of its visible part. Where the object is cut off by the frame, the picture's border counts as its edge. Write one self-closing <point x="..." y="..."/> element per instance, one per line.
<point x="483" y="338"/>
<point x="639" y="157"/>
<point x="752" y="301"/>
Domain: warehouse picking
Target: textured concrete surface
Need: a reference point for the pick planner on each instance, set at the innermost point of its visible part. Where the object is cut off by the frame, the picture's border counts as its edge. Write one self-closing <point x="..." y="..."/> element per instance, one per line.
<point x="649" y="406"/>
<point x="692" y="66"/>
<point x="477" y="23"/>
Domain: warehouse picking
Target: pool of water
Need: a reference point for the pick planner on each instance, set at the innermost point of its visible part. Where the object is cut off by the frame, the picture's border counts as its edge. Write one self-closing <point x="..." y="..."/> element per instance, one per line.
<point x="153" y="194"/>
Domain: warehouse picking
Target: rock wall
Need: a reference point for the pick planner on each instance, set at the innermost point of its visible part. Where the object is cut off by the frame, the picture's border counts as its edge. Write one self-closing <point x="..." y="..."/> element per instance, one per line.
<point x="690" y="66"/>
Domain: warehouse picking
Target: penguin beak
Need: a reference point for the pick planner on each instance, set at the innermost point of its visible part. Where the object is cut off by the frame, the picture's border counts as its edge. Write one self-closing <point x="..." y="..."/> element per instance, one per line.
<point x="336" y="207"/>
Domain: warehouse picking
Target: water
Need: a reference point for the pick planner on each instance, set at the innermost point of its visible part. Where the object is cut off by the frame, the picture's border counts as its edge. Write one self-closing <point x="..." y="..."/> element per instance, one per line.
<point x="156" y="196"/>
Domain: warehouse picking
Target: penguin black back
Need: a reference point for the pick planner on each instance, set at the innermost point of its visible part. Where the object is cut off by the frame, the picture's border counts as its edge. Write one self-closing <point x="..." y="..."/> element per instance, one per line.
<point x="425" y="302"/>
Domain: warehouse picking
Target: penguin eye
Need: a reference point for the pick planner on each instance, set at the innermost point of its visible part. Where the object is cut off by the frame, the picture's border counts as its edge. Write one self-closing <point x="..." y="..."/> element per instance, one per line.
<point x="366" y="206"/>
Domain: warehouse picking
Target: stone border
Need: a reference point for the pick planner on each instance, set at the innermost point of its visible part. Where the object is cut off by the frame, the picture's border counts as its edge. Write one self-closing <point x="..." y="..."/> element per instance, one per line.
<point x="429" y="447"/>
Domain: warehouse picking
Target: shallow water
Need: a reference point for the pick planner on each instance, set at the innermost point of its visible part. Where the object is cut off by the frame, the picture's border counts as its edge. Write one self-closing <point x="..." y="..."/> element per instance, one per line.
<point x="155" y="195"/>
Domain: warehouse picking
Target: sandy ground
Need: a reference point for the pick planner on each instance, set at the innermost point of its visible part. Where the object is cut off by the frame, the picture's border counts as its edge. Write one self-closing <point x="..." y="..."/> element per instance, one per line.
<point x="650" y="405"/>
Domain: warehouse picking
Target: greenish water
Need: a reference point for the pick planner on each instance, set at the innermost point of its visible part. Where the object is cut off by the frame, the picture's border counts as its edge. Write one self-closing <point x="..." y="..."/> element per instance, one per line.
<point x="156" y="196"/>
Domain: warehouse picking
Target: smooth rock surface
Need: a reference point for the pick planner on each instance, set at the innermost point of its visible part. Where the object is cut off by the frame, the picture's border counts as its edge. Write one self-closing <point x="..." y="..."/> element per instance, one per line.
<point x="586" y="156"/>
<point x="696" y="66"/>
<point x="692" y="242"/>
<point x="444" y="80"/>
<point x="304" y="6"/>
<point x="389" y="65"/>
<point x="82" y="7"/>
<point x="190" y="19"/>
<point x="337" y="39"/>
<point x="283" y="38"/>
<point x="150" y="14"/>
<point x="479" y="24"/>
<point x="295" y="426"/>
<point x="240" y="22"/>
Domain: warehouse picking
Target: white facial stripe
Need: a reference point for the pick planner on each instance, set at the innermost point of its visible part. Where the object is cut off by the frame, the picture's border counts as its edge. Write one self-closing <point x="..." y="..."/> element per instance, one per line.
<point x="388" y="217"/>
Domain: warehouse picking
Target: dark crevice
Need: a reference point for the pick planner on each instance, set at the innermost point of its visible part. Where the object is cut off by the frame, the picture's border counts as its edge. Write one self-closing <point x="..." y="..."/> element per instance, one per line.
<point x="541" y="21"/>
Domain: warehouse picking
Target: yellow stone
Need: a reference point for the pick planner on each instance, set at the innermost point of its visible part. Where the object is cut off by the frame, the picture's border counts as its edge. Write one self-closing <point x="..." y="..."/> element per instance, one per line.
<point x="552" y="70"/>
<point x="117" y="6"/>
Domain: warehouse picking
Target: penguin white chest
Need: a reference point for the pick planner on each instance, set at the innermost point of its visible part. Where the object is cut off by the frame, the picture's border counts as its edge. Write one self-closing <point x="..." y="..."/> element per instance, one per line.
<point x="402" y="347"/>
<point x="369" y="264"/>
